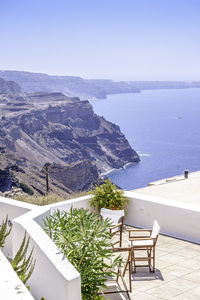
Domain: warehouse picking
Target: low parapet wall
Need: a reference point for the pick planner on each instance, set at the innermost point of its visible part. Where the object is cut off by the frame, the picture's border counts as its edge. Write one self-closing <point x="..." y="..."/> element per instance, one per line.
<point x="54" y="277"/>
<point x="11" y="286"/>
<point x="176" y="219"/>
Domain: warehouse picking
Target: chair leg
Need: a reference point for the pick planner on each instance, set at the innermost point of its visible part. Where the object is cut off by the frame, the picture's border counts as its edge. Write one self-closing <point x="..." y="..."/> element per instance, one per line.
<point x="154" y="252"/>
<point x="133" y="259"/>
<point x="125" y="268"/>
<point x="149" y="258"/>
<point x="120" y="236"/>
<point x="130" y="272"/>
<point x="129" y="259"/>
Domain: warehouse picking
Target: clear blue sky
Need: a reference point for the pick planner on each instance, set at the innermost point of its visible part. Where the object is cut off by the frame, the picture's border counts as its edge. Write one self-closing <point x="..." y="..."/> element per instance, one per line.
<point x="117" y="39"/>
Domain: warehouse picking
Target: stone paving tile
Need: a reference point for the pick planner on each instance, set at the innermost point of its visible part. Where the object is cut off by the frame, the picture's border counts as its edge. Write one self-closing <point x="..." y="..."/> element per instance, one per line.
<point x="175" y="270"/>
<point x="160" y="252"/>
<point x="170" y="247"/>
<point x="182" y="284"/>
<point x="193" y="276"/>
<point x="191" y="264"/>
<point x="188" y="252"/>
<point x="143" y="296"/>
<point x="164" y="291"/>
<point x="172" y="258"/>
<point x="162" y="264"/>
<point x="193" y="294"/>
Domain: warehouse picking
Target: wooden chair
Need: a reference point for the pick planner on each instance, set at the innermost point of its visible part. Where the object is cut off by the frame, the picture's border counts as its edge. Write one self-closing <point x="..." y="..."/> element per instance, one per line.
<point x="119" y="273"/>
<point x="145" y="243"/>
<point x="117" y="219"/>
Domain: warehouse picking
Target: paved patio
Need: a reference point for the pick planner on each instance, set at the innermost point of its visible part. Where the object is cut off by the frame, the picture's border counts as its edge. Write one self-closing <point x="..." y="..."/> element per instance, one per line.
<point x="177" y="273"/>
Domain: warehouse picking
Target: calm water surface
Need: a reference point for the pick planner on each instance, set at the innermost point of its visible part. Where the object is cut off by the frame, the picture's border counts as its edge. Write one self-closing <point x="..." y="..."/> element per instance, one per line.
<point x="163" y="126"/>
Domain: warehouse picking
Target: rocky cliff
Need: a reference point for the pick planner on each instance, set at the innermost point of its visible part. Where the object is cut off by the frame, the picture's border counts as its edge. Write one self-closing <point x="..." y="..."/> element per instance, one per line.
<point x="67" y="134"/>
<point x="9" y="87"/>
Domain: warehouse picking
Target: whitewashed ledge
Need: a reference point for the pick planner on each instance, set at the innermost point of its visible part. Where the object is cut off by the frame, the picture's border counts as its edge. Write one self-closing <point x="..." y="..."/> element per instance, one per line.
<point x="11" y="286"/>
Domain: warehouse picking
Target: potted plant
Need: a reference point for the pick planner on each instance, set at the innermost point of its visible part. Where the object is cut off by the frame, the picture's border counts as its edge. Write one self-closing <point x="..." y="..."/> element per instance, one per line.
<point x="108" y="196"/>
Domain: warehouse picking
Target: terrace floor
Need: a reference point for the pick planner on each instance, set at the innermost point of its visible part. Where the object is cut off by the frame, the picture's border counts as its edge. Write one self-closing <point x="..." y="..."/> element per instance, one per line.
<point x="177" y="273"/>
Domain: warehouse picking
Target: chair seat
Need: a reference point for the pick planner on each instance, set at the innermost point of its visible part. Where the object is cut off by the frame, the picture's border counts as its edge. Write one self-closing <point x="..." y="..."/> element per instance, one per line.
<point x="143" y="243"/>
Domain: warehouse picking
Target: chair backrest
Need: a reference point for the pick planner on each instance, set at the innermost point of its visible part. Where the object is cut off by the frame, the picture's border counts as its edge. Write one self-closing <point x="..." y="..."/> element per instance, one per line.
<point x="156" y="230"/>
<point x="113" y="215"/>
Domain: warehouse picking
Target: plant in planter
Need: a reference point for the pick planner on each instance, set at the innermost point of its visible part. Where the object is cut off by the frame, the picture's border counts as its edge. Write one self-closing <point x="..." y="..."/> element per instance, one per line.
<point x="108" y="196"/>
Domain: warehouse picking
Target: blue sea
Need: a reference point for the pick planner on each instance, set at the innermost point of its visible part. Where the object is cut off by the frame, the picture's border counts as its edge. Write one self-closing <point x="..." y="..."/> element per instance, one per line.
<point x="163" y="126"/>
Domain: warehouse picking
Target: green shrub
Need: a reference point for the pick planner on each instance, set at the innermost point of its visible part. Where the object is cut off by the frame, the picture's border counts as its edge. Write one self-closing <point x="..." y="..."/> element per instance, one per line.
<point x="108" y="196"/>
<point x="4" y="232"/>
<point x="85" y="241"/>
<point x="26" y="189"/>
<point x="22" y="264"/>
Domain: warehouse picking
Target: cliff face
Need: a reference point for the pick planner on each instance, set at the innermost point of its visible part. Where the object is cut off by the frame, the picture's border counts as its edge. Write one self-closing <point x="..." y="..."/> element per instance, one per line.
<point x="9" y="87"/>
<point x="66" y="133"/>
<point x="78" y="144"/>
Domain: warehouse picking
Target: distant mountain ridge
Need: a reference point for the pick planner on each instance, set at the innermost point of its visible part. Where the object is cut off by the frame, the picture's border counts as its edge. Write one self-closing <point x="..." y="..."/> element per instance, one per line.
<point x="86" y="88"/>
<point x="9" y="87"/>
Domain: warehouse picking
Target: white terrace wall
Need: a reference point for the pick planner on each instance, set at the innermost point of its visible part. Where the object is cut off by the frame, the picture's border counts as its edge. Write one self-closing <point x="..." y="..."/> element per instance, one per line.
<point x="177" y="219"/>
<point x="81" y="202"/>
<point x="53" y="277"/>
<point x="13" y="209"/>
<point x="11" y="287"/>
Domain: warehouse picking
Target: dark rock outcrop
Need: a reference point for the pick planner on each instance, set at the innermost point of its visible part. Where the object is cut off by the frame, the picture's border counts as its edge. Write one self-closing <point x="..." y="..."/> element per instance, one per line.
<point x="7" y="180"/>
<point x="79" y="176"/>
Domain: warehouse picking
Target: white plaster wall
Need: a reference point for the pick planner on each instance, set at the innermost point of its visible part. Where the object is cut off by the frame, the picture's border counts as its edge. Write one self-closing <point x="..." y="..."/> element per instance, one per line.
<point x="11" y="287"/>
<point x="176" y="219"/>
<point x="81" y="202"/>
<point x="53" y="277"/>
<point x="13" y="209"/>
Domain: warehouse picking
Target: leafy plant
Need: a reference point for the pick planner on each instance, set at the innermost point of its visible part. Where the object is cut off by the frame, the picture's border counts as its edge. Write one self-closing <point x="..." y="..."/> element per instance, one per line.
<point x="85" y="241"/>
<point x="22" y="264"/>
<point x="4" y="232"/>
<point x="26" y="189"/>
<point x="108" y="196"/>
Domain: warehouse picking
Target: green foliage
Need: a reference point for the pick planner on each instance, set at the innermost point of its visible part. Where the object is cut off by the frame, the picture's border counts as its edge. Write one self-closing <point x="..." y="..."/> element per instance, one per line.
<point x="48" y="199"/>
<point x="85" y="241"/>
<point x="4" y="232"/>
<point x="22" y="264"/>
<point x="108" y="196"/>
<point x="26" y="189"/>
